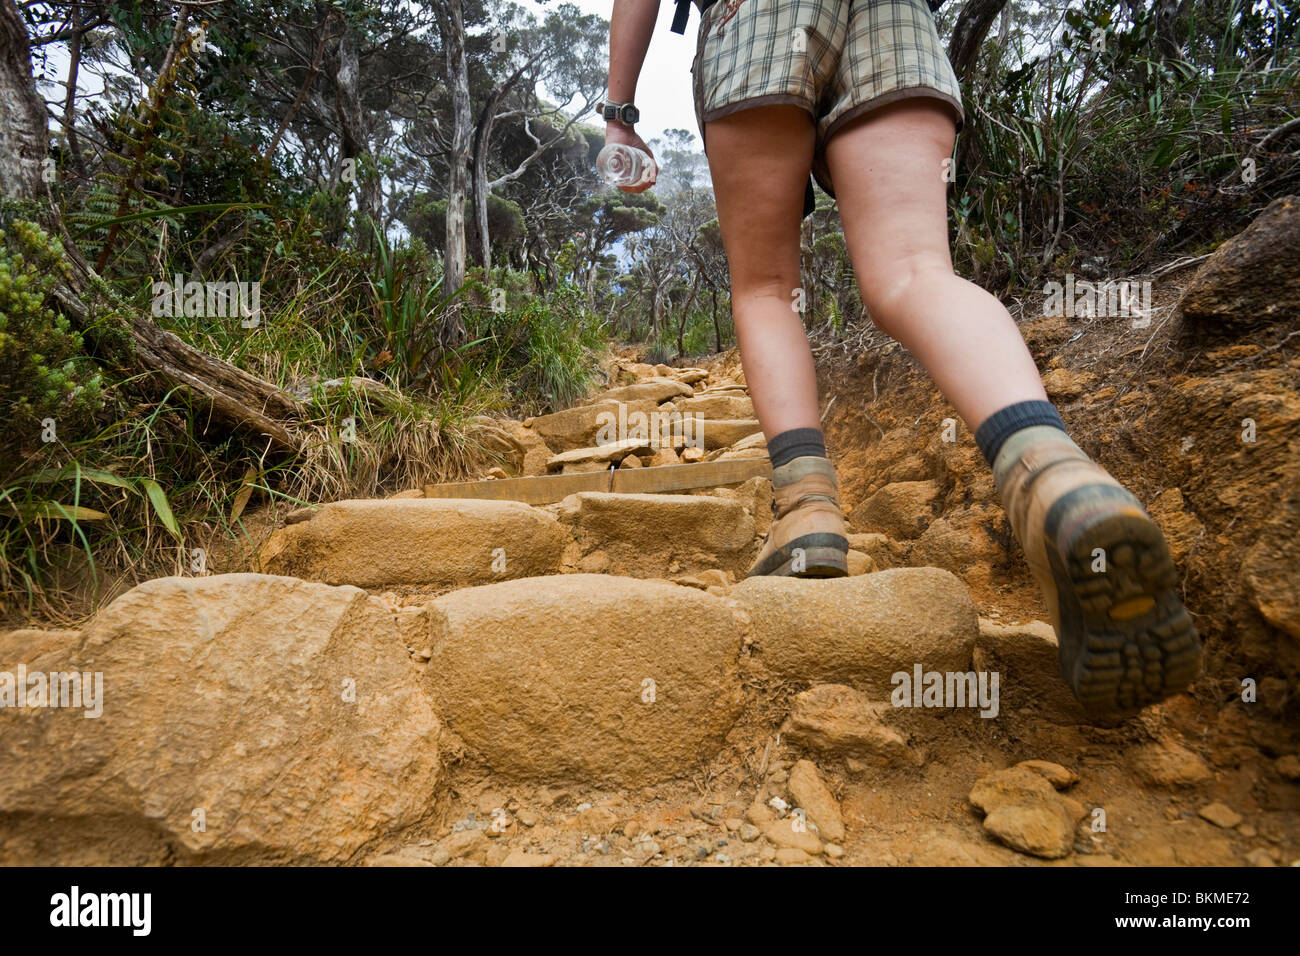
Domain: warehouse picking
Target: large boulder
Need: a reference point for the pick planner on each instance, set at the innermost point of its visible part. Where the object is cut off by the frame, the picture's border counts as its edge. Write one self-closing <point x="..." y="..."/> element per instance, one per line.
<point x="595" y="679"/>
<point x="901" y="509"/>
<point x="861" y="630"/>
<point x="644" y="535"/>
<point x="1253" y="278"/>
<point x="244" y="719"/>
<point x="578" y="427"/>
<point x="838" y="721"/>
<point x="659" y="389"/>
<point x="1026" y="659"/>
<point x="417" y="543"/>
<point x="717" y="406"/>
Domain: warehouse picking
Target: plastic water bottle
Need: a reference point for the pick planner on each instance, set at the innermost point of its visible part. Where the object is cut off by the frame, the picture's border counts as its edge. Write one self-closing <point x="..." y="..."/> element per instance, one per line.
<point x="621" y="165"/>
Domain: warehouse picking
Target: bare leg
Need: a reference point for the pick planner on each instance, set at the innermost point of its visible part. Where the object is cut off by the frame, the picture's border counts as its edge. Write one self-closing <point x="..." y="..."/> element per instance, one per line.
<point x="886" y="167"/>
<point x="760" y="159"/>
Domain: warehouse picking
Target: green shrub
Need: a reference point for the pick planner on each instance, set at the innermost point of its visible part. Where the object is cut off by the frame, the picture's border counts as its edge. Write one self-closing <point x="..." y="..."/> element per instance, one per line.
<point x="44" y="374"/>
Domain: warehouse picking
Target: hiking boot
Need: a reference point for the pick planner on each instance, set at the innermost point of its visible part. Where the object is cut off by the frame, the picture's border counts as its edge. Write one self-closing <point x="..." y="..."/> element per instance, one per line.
<point x="807" y="537"/>
<point x="1125" y="639"/>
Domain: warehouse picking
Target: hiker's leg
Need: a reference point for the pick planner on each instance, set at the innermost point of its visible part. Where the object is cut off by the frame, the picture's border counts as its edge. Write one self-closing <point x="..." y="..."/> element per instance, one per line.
<point x="887" y="167"/>
<point x="1102" y="564"/>
<point x="759" y="159"/>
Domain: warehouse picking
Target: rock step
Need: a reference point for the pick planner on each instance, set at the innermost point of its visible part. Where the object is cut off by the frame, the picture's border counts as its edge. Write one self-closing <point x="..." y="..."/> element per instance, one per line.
<point x="583" y="679"/>
<point x="418" y="543"/>
<point x="283" y="715"/>
<point x="546" y="489"/>
<point x="614" y="451"/>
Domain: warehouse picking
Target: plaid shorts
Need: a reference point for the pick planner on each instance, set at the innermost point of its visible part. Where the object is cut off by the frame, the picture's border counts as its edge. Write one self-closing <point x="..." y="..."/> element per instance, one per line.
<point x="836" y="58"/>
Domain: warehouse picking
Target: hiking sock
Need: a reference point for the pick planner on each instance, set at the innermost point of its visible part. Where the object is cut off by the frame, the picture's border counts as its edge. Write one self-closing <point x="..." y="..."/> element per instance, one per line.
<point x="796" y="443"/>
<point x="1002" y="424"/>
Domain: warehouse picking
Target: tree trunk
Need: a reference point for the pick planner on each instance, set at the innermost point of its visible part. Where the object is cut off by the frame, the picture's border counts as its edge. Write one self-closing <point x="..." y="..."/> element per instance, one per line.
<point x="717" y="332"/>
<point x="452" y="20"/>
<point x="968" y="33"/>
<point x="70" y="102"/>
<point x="24" y="136"/>
<point x="356" y="143"/>
<point x="479" y="184"/>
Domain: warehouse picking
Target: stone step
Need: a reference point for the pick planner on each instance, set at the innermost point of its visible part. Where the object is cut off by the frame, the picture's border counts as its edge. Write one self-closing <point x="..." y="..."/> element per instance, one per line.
<point x="612" y="452"/>
<point x="586" y="677"/>
<point x="714" y="433"/>
<point x="313" y="716"/>
<point x="577" y="427"/>
<point x="417" y="543"/>
<point x="717" y="406"/>
<point x="652" y="390"/>
<point x="646" y="535"/>
<point x="546" y="489"/>
<point x="284" y="716"/>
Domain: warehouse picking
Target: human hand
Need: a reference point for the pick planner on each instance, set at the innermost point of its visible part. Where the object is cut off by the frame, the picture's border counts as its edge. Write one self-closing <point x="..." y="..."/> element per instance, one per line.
<point x="616" y="132"/>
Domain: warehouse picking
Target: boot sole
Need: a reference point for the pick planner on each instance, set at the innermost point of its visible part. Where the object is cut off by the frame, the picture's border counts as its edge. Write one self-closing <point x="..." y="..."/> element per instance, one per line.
<point x="1126" y="640"/>
<point x="824" y="556"/>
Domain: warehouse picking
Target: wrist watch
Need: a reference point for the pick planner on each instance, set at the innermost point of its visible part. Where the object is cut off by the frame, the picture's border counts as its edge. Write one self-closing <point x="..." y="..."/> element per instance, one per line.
<point x="625" y="113"/>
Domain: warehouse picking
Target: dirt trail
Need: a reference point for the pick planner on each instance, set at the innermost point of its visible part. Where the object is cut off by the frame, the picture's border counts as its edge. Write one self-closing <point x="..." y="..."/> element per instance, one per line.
<point x="425" y="680"/>
<point x="586" y="683"/>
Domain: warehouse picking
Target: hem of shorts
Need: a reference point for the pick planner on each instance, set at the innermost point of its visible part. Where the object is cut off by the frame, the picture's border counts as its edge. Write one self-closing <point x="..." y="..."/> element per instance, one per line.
<point x="892" y="96"/>
<point x="768" y="99"/>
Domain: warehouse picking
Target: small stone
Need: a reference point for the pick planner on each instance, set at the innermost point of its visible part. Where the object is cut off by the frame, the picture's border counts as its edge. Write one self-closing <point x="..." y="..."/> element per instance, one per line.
<point x="1221" y="815"/>
<point x="759" y="814"/>
<point x="733" y="823"/>
<point x="467" y="844"/>
<point x="1058" y="776"/>
<point x="1247" y="830"/>
<point x="1169" y="765"/>
<point x="783" y="833"/>
<point x="692" y="454"/>
<point x="399" y="859"/>
<point x="811" y="793"/>
<point x="834" y="851"/>
<point x="1259" y="857"/>
<point x="528" y="818"/>
<point x="1037" y="826"/>
<point x="1288" y="766"/>
<point x="789" y="855"/>
<point x="749" y="833"/>
<point x="779" y="805"/>
<point x="523" y="858"/>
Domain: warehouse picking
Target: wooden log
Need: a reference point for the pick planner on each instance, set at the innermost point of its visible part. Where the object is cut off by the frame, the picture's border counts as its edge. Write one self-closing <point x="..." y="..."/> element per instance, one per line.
<point x="545" y="489"/>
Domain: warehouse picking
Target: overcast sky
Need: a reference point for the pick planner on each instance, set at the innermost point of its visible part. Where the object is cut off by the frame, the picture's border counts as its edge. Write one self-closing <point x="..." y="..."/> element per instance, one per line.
<point x="663" y="93"/>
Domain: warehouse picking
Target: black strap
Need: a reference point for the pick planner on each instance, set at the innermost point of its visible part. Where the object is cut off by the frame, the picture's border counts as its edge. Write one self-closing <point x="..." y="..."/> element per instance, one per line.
<point x="681" y="15"/>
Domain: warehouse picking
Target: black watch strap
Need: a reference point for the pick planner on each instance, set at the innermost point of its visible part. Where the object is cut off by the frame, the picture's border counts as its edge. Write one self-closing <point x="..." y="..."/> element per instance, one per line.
<point x="625" y="113"/>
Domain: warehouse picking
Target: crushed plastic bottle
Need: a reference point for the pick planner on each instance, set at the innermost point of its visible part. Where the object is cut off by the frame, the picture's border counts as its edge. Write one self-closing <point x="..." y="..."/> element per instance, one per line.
<point x="621" y="165"/>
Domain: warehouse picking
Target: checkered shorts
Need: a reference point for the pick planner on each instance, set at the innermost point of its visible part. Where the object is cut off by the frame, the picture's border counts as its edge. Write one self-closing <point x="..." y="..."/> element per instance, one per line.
<point x="836" y="58"/>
